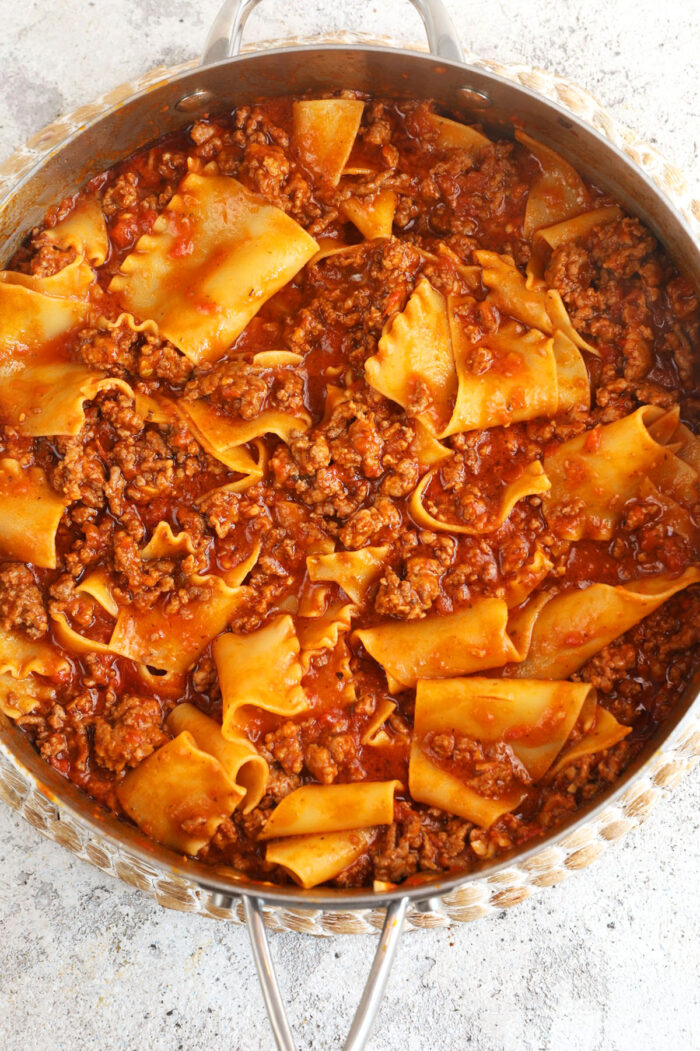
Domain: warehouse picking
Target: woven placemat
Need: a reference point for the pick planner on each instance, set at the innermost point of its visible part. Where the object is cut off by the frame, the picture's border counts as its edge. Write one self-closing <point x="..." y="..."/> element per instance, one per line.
<point x="476" y="897"/>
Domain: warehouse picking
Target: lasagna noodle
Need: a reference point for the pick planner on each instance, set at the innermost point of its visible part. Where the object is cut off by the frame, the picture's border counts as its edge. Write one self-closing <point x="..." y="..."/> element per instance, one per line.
<point x="226" y="439"/>
<point x="270" y="359"/>
<point x="520" y="384"/>
<point x="98" y="586"/>
<point x="72" y="641"/>
<point x="30" y="319"/>
<point x="30" y="511"/>
<point x="424" y="357"/>
<point x="239" y="758"/>
<point x="437" y="787"/>
<point x="324" y="134"/>
<point x="374" y="733"/>
<point x="317" y="634"/>
<point x="179" y="795"/>
<point x="43" y="400"/>
<point x="313" y="809"/>
<point x="173" y="641"/>
<point x="260" y="670"/>
<point x="470" y="640"/>
<point x="531" y="303"/>
<point x="427" y="448"/>
<point x="353" y="571"/>
<point x="533" y="718"/>
<point x="594" y="474"/>
<point x="557" y="194"/>
<point x="605" y="732"/>
<point x="72" y="282"/>
<point x="547" y="240"/>
<point x="21" y="656"/>
<point x="216" y="254"/>
<point x="314" y="859"/>
<point x="83" y="229"/>
<point x="21" y="696"/>
<point x="166" y="641"/>
<point x="531" y="482"/>
<point x="560" y="633"/>
<point x="414" y="363"/>
<point x="521" y="585"/>
<point x="373" y="216"/>
<point x="453" y="135"/>
<point x="166" y="544"/>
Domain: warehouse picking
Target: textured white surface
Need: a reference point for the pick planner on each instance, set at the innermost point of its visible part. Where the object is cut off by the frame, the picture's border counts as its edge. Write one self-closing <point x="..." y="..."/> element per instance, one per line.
<point x="609" y="960"/>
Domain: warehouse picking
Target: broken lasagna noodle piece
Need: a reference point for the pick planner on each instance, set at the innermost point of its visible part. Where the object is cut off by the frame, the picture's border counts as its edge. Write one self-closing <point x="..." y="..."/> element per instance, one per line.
<point x="349" y="491"/>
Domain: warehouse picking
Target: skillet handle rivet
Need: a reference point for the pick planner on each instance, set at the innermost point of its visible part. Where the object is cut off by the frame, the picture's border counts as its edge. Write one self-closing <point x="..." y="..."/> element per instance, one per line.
<point x="195" y="101"/>
<point x="475" y="98"/>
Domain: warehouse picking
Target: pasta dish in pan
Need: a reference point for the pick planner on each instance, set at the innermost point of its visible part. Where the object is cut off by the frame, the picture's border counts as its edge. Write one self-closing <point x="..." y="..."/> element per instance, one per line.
<point x="348" y="490"/>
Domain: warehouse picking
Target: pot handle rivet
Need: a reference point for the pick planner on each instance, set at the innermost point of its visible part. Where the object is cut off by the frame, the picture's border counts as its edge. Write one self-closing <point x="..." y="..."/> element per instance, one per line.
<point x="475" y="99"/>
<point x="196" y="100"/>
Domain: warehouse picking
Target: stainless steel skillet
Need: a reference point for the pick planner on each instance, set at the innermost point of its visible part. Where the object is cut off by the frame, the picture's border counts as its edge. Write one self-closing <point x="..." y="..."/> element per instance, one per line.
<point x="226" y="79"/>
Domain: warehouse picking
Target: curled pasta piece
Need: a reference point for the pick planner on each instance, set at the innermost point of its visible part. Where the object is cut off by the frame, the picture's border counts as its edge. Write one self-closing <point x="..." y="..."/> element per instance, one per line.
<point x="414" y="364"/>
<point x="523" y="583"/>
<point x="373" y="216"/>
<point x="324" y="134"/>
<point x="270" y="359"/>
<point x="72" y="282"/>
<point x="319" y="633"/>
<point x="330" y="246"/>
<point x="519" y="384"/>
<point x="560" y="633"/>
<point x="532" y="718"/>
<point x="226" y="439"/>
<point x="239" y="758"/>
<point x="72" y="641"/>
<point x="549" y="238"/>
<point x="427" y="448"/>
<point x="453" y="135"/>
<point x="374" y="733"/>
<point x="179" y="795"/>
<point x="531" y="482"/>
<point x="531" y="303"/>
<point x="353" y="571"/>
<point x="260" y="670"/>
<point x="29" y="318"/>
<point x="557" y="194"/>
<point x="594" y="474"/>
<point x="166" y="544"/>
<point x="83" y="229"/>
<point x="313" y="809"/>
<point x="173" y="641"/>
<point x="168" y="642"/>
<point x="21" y="696"/>
<point x="30" y="511"/>
<point x="573" y="385"/>
<point x="46" y="400"/>
<point x="21" y="656"/>
<point x="470" y="640"/>
<point x="602" y="732"/>
<point x="215" y="255"/>
<point x="314" y="859"/>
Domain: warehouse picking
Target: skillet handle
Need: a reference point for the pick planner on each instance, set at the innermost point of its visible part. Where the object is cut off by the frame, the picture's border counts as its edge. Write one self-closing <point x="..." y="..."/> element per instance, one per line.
<point x="224" y="40"/>
<point x="373" y="991"/>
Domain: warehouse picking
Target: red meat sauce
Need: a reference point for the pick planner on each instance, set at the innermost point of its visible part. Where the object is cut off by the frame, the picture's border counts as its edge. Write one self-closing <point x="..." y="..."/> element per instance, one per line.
<point x="348" y="479"/>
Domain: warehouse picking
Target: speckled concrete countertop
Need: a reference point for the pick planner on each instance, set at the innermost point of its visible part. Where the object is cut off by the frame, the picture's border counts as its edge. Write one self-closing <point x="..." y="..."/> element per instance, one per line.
<point x="607" y="961"/>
